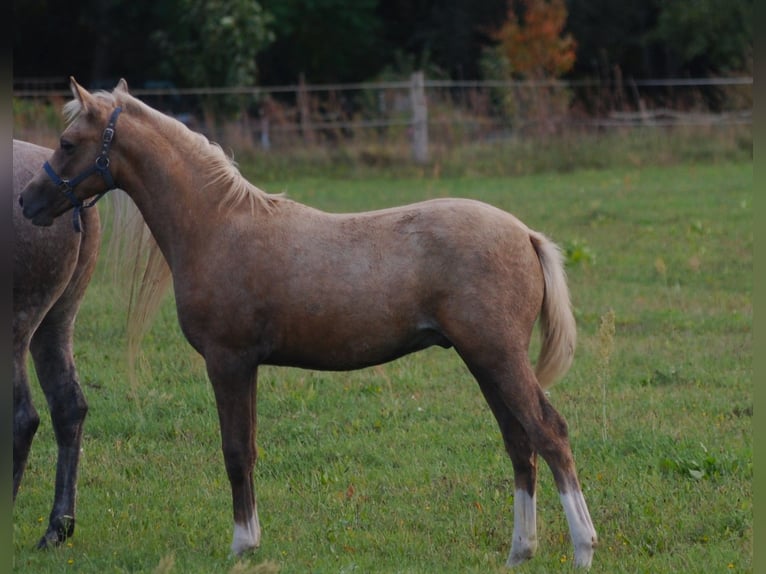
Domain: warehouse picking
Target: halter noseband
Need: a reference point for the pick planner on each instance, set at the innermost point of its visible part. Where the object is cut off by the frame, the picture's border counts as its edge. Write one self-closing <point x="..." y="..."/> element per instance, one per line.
<point x="100" y="166"/>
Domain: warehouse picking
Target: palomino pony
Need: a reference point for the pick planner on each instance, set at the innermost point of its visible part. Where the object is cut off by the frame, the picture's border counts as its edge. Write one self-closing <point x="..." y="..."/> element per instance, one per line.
<point x="260" y="279"/>
<point x="51" y="269"/>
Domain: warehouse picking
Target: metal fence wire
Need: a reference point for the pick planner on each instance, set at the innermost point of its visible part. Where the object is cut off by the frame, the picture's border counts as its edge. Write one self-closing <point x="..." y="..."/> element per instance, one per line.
<point x="443" y="112"/>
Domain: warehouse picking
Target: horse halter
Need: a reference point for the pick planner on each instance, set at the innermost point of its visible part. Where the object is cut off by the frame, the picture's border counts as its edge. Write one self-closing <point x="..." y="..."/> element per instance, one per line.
<point x="100" y="166"/>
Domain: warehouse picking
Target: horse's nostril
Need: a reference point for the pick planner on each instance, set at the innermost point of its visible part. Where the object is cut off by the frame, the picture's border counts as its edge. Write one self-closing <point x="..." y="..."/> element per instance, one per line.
<point x="21" y="201"/>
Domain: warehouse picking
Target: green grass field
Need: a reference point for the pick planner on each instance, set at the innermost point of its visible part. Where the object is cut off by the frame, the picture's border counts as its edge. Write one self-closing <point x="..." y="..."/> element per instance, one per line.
<point x="400" y="468"/>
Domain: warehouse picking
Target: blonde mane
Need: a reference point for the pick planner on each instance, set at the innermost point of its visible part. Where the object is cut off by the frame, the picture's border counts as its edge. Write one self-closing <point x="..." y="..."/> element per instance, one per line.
<point x="133" y="253"/>
<point x="219" y="169"/>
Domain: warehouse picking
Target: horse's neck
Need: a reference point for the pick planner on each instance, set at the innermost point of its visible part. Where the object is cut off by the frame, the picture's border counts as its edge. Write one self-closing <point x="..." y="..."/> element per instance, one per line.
<point x="166" y="190"/>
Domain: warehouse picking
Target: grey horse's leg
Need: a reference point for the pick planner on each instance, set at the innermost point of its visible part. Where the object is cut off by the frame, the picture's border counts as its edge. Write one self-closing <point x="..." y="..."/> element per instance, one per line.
<point x="52" y="352"/>
<point x="25" y="417"/>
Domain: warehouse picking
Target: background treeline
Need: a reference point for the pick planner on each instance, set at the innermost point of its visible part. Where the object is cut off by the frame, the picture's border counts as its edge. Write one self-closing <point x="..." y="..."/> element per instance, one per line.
<point x="193" y="43"/>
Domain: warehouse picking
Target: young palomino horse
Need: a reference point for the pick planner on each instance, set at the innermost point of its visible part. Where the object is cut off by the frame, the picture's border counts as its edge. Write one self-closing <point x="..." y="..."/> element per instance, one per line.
<point x="260" y="279"/>
<point x="51" y="269"/>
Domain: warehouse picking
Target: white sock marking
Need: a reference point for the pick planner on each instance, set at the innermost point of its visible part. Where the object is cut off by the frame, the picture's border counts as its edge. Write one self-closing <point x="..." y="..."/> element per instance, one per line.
<point x="524" y="542"/>
<point x="580" y="527"/>
<point x="246" y="536"/>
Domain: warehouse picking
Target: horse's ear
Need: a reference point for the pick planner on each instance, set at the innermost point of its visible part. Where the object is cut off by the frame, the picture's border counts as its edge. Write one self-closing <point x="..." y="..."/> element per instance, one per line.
<point x="122" y="86"/>
<point x="81" y="94"/>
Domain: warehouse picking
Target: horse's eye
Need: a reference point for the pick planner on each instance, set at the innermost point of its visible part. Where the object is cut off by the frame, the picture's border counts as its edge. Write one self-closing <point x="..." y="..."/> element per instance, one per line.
<point x="67" y="145"/>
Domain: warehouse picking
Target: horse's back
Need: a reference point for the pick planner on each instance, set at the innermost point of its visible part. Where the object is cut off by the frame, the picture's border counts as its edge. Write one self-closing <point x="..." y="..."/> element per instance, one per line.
<point x="52" y="265"/>
<point x="455" y="244"/>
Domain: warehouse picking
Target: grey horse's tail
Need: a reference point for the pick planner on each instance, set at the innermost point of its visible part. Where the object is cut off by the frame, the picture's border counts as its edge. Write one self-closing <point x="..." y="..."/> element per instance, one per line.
<point x="557" y="324"/>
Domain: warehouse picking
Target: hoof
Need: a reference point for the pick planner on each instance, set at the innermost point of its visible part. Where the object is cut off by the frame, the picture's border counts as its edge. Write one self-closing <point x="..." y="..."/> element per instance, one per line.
<point x="520" y="554"/>
<point x="247" y="538"/>
<point x="59" y="530"/>
<point x="517" y="559"/>
<point x="584" y="555"/>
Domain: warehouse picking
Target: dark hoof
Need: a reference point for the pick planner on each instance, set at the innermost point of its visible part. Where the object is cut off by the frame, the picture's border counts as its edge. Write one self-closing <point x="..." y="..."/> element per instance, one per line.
<point x="58" y="531"/>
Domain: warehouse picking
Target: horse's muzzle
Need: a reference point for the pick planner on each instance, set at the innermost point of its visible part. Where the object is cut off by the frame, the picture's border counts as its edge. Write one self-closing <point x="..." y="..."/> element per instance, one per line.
<point x="38" y="215"/>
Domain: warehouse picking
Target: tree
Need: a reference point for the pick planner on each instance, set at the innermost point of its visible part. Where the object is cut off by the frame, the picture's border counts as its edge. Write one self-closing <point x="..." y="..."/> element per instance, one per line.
<point x="97" y="41"/>
<point x="340" y="41"/>
<point x="655" y="38"/>
<point x="187" y="42"/>
<point x="614" y="34"/>
<point x="214" y="42"/>
<point x="535" y="47"/>
<point x="708" y="36"/>
<point x="534" y="43"/>
<point x="325" y="40"/>
<point x="450" y="34"/>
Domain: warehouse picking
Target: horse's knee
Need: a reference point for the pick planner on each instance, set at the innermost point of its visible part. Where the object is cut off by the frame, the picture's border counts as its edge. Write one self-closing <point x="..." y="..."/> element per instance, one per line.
<point x="77" y="409"/>
<point x="68" y="411"/>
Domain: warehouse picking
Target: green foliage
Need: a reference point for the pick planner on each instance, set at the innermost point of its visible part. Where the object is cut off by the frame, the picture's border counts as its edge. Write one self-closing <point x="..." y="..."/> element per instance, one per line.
<point x="718" y="32"/>
<point x="496" y="67"/>
<point x="662" y="39"/>
<point x="578" y="252"/>
<point x="36" y="117"/>
<point x="704" y="466"/>
<point x="325" y="40"/>
<point x="403" y="65"/>
<point x="214" y="43"/>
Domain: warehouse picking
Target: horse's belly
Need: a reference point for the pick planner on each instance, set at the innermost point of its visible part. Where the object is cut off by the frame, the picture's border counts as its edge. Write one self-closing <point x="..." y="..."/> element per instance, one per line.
<point x="339" y="352"/>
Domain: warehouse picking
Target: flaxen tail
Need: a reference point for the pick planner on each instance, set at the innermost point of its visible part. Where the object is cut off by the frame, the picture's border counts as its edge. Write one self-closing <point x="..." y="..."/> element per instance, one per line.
<point x="557" y="324"/>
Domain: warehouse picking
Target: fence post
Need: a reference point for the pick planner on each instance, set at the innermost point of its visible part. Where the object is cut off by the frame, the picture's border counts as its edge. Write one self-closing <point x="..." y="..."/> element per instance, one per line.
<point x="265" y="139"/>
<point x="419" y="118"/>
<point x="304" y="109"/>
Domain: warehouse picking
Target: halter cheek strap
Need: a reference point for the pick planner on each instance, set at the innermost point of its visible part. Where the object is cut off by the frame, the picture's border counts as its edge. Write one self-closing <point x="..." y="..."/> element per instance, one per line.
<point x="100" y="166"/>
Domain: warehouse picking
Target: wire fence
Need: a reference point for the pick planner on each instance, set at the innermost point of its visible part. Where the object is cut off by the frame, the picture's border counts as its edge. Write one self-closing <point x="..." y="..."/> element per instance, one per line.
<point x="421" y="110"/>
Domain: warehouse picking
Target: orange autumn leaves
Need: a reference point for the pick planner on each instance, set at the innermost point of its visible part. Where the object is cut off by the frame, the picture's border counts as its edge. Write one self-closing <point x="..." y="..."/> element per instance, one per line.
<point x="534" y="44"/>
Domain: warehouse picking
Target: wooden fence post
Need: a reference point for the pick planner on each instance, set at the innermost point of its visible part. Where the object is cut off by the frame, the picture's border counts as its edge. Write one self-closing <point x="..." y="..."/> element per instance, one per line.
<point x="265" y="139"/>
<point x="304" y="108"/>
<point x="419" y="118"/>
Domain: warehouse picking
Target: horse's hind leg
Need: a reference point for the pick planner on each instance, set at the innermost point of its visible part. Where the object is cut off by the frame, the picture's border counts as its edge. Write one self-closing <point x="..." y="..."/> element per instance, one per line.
<point x="524" y="460"/>
<point x="25" y="417"/>
<point x="513" y="385"/>
<point x="54" y="362"/>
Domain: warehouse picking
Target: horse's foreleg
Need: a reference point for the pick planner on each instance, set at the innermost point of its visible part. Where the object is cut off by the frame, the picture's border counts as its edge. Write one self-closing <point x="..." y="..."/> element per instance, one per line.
<point x="52" y="352"/>
<point x="25" y="418"/>
<point x="235" y="392"/>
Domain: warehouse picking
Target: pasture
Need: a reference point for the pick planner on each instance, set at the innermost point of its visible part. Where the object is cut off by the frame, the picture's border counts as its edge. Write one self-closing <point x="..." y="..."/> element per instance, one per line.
<point x="400" y="468"/>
